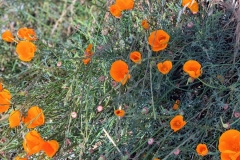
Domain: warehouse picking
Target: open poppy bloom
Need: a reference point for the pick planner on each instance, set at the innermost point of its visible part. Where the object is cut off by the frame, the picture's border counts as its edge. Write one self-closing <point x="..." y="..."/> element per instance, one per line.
<point x="176" y="105"/>
<point x="145" y="24"/>
<point x="177" y="123"/>
<point x="50" y="147"/>
<point x="115" y="10"/>
<point x="119" y="113"/>
<point x="136" y="57"/>
<point x="202" y="149"/>
<point x="158" y="40"/>
<point x="7" y="36"/>
<point x="229" y="145"/>
<point x="34" y="118"/>
<point x="5" y="98"/>
<point x="32" y="142"/>
<point x="25" y="50"/>
<point x="191" y="4"/>
<point x="27" y="34"/>
<point x="193" y="68"/>
<point x="14" y="119"/>
<point x="125" y="4"/>
<point x="164" y="67"/>
<point x="88" y="54"/>
<point x="119" y="71"/>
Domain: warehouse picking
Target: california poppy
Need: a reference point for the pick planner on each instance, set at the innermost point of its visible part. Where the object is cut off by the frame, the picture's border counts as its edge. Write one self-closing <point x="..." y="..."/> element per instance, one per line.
<point x="27" y="34"/>
<point x="19" y="158"/>
<point x="88" y="54"/>
<point x="119" y="113"/>
<point x="25" y="50"/>
<point x="229" y="145"/>
<point x="145" y="24"/>
<point x="35" y="117"/>
<point x="115" y="10"/>
<point x="125" y="4"/>
<point x="1" y="87"/>
<point x="5" y="98"/>
<point x="164" y="67"/>
<point x="191" y="4"/>
<point x="177" y="123"/>
<point x="193" y="68"/>
<point x="14" y="119"/>
<point x="7" y="36"/>
<point x="119" y="71"/>
<point x="176" y="105"/>
<point x="50" y="147"/>
<point x="158" y="40"/>
<point x="32" y="142"/>
<point x="136" y="57"/>
<point x="202" y="149"/>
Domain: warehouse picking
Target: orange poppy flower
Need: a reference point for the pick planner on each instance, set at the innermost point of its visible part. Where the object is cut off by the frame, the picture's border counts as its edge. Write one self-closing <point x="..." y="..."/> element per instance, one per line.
<point x="32" y="142"/>
<point x="145" y="24"/>
<point x="34" y="118"/>
<point x="19" y="158"/>
<point x="115" y="11"/>
<point x="125" y="4"/>
<point x="119" y="71"/>
<point x="177" y="123"/>
<point x="164" y="67"/>
<point x="158" y="40"/>
<point x="27" y="34"/>
<point x="176" y="105"/>
<point x="229" y="145"/>
<point x="7" y="36"/>
<point x="14" y="119"/>
<point x="192" y="5"/>
<point x="5" y="98"/>
<point x="119" y="113"/>
<point x="88" y="54"/>
<point x="193" y="68"/>
<point x="50" y="147"/>
<point x="25" y="50"/>
<point x="136" y="57"/>
<point x="202" y="149"/>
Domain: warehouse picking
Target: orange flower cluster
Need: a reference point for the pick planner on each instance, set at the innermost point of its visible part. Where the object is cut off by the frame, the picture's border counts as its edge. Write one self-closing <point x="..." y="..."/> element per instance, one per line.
<point x="35" y="118"/>
<point x="119" y="71"/>
<point x="158" y="40"/>
<point x="202" y="149"/>
<point x="177" y="123"/>
<point x="145" y="24"/>
<point x="33" y="143"/>
<point x="229" y="145"/>
<point x="88" y="54"/>
<point x="121" y="5"/>
<point x="136" y="57"/>
<point x="25" y="49"/>
<point x="191" y="4"/>
<point x="5" y="98"/>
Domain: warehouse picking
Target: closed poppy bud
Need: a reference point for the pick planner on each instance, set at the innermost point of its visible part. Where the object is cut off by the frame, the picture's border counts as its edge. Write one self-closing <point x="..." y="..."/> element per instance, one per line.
<point x="164" y="67"/>
<point x="158" y="40"/>
<point x="202" y="149"/>
<point x="25" y="50"/>
<point x="32" y="142"/>
<point x="176" y="105"/>
<point x="136" y="57"/>
<point x="177" y="123"/>
<point x="145" y="24"/>
<point x="119" y="113"/>
<point x="27" y="34"/>
<point x="86" y="60"/>
<point x="115" y="11"/>
<point x="5" y="98"/>
<point x="7" y="36"/>
<point x="34" y="118"/>
<point x="50" y="147"/>
<point x="14" y="119"/>
<point x="119" y="71"/>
